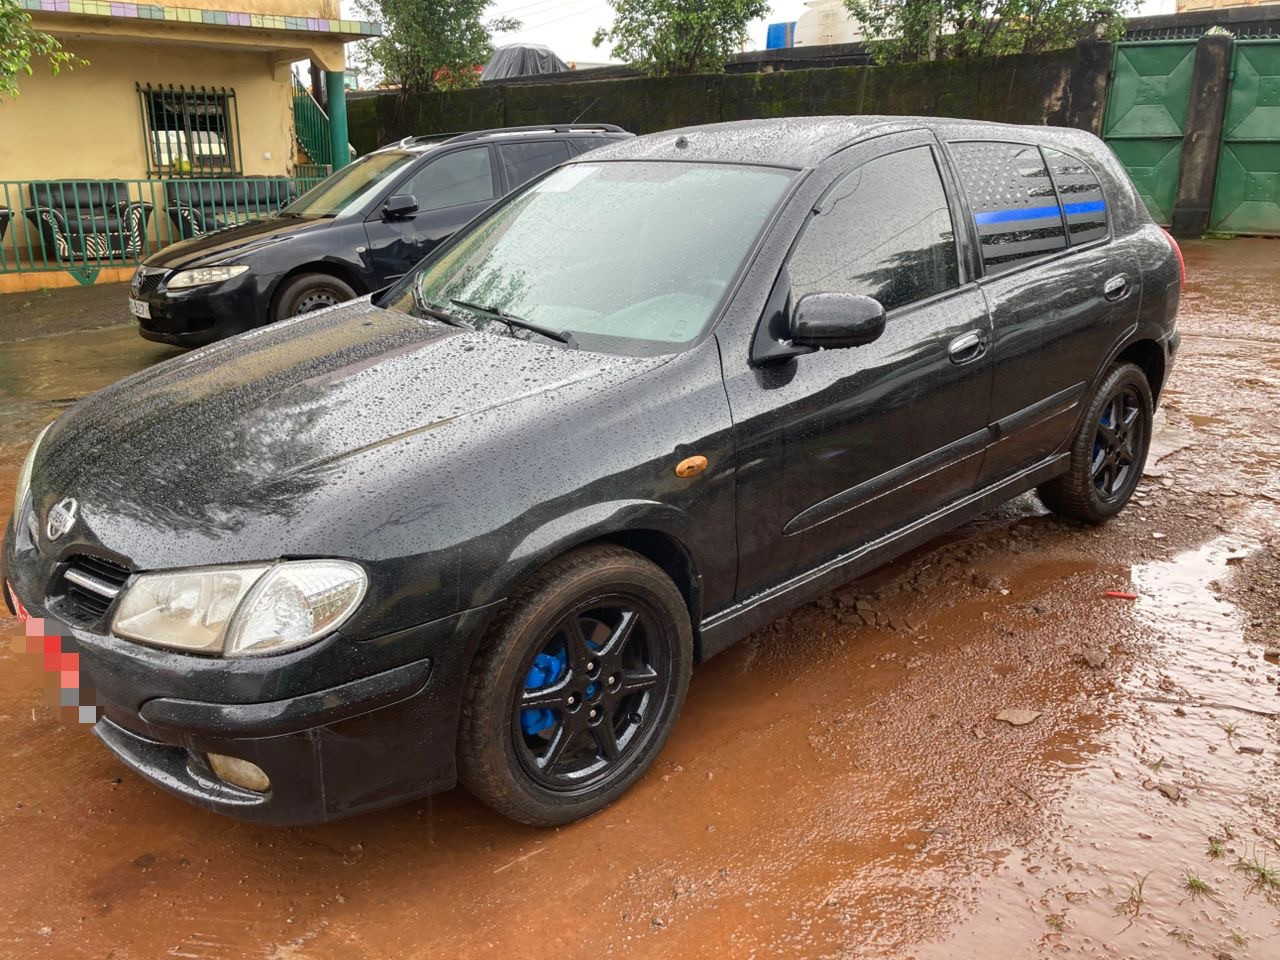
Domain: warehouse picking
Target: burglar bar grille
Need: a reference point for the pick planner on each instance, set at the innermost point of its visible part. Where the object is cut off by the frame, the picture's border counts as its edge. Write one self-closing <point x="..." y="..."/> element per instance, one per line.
<point x="190" y="131"/>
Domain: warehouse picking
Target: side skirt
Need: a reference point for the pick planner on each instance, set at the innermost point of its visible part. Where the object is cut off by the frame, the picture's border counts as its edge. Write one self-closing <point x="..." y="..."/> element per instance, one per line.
<point x="723" y="629"/>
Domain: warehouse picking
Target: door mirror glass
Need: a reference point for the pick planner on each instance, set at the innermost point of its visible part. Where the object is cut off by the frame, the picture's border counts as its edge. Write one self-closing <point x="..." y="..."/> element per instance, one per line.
<point x="399" y="206"/>
<point x="831" y="320"/>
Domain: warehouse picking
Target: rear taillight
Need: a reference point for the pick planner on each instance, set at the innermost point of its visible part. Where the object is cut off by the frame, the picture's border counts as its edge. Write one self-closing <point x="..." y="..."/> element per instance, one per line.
<point x="1177" y="250"/>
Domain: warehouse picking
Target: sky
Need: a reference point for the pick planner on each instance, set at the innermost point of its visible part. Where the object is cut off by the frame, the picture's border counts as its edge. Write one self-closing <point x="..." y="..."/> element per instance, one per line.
<point x="566" y="26"/>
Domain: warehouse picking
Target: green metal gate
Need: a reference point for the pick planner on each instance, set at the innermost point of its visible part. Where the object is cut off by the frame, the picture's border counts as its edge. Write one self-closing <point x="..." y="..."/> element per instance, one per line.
<point x="1146" y="116"/>
<point x="1247" y="196"/>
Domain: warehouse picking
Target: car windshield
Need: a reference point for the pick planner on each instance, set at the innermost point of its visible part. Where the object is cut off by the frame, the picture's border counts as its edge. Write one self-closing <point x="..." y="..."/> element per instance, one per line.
<point x="627" y="257"/>
<point x="349" y="188"/>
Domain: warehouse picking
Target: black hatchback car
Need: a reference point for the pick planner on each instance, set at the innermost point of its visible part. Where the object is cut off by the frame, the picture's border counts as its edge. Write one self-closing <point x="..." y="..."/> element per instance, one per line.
<point x="481" y="527"/>
<point x="349" y="235"/>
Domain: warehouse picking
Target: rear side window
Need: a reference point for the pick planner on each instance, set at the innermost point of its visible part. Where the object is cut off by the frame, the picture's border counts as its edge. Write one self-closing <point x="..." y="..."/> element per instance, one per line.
<point x="1013" y="202"/>
<point x="885" y="231"/>
<point x="524" y="161"/>
<point x="465" y="176"/>
<point x="1081" y="195"/>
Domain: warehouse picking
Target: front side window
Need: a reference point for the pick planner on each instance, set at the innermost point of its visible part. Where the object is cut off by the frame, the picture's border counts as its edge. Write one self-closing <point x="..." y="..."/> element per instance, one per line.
<point x="524" y="161"/>
<point x="1014" y="205"/>
<point x="629" y="257"/>
<point x="1083" y="203"/>
<point x="350" y="188"/>
<point x="885" y="232"/>
<point x="190" y="132"/>
<point x="464" y="176"/>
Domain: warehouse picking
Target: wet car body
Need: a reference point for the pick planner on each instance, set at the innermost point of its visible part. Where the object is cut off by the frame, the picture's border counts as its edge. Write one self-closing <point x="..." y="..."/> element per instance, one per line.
<point x="453" y="464"/>
<point x="363" y="246"/>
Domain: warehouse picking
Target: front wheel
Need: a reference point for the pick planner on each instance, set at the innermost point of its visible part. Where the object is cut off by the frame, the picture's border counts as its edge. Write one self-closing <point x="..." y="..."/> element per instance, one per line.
<point x="576" y="687"/>
<point x="1109" y="452"/>
<point x="307" y="292"/>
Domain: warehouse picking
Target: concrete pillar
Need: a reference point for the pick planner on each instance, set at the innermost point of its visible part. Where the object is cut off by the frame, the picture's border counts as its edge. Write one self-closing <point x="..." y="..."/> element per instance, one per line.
<point x="1202" y="136"/>
<point x="337" y="118"/>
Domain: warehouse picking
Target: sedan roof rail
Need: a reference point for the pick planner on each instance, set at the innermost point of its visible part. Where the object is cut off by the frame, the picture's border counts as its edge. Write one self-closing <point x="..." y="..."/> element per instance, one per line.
<point x="539" y="128"/>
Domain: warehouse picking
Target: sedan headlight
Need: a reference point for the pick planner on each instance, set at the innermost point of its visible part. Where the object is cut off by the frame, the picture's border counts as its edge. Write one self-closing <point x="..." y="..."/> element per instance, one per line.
<point x="201" y="276"/>
<point x="241" y="610"/>
<point x="24" y="476"/>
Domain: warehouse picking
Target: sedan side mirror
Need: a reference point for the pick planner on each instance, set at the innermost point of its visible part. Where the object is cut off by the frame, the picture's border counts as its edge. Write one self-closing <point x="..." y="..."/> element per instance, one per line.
<point x="399" y="206"/>
<point x="831" y="320"/>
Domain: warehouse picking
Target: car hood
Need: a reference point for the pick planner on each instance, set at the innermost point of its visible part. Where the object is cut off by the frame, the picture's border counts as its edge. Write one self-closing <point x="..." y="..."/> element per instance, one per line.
<point x="250" y="429"/>
<point x="242" y="239"/>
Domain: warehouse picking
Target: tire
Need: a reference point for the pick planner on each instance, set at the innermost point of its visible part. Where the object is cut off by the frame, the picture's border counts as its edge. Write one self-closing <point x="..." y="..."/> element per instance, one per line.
<point x="307" y="292"/>
<point x="599" y="642"/>
<point x="1105" y="465"/>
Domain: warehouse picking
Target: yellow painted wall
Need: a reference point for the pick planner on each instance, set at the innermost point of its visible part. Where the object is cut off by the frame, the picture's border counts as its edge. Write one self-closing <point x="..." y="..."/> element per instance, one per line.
<point x="86" y="123"/>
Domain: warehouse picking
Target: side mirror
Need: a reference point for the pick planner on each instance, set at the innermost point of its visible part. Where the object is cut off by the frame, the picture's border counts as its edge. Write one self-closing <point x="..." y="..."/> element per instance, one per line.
<point x="399" y="206"/>
<point x="830" y="320"/>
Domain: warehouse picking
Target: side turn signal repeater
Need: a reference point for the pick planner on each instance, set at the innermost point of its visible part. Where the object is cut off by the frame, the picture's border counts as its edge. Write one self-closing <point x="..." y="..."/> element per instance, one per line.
<point x="690" y="467"/>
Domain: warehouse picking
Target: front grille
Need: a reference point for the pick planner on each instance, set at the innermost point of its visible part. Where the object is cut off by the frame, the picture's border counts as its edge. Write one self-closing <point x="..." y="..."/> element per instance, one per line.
<point x="146" y="280"/>
<point x="90" y="584"/>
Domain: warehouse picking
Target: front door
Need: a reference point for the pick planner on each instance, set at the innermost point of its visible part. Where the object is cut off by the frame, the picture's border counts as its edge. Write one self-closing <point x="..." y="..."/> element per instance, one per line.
<point x="450" y="190"/>
<point x="841" y="447"/>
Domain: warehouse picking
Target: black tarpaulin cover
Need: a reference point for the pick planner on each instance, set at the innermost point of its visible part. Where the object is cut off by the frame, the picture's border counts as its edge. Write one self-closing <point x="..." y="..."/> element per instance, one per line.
<point x="522" y="60"/>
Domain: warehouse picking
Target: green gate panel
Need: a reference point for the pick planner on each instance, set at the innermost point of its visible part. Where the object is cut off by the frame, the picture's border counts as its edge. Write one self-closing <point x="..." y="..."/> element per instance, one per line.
<point x="1153" y="167"/>
<point x="1147" y="114"/>
<point x="1247" y="195"/>
<point x="1150" y="89"/>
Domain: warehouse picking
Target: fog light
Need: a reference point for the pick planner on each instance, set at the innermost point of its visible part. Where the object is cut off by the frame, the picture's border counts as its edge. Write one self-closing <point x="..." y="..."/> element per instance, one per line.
<point x="242" y="773"/>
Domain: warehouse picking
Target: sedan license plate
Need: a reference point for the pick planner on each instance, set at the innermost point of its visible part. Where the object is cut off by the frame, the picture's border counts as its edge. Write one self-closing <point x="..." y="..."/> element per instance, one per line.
<point x="140" y="309"/>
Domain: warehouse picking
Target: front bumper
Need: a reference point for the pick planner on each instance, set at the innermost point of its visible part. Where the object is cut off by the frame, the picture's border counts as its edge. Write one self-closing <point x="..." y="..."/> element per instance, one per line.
<point x="340" y="727"/>
<point x="200" y="315"/>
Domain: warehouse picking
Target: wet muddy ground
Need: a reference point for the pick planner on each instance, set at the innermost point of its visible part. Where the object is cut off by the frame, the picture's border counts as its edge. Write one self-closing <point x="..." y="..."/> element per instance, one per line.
<point x="840" y="784"/>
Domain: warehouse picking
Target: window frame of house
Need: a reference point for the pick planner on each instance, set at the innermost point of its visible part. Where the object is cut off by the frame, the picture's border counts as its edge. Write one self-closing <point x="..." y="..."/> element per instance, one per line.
<point x="190" y="100"/>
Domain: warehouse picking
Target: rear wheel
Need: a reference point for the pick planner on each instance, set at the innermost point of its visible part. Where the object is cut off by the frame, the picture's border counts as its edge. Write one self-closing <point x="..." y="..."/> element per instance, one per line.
<point x="310" y="291"/>
<point x="576" y="688"/>
<point x="1108" y="453"/>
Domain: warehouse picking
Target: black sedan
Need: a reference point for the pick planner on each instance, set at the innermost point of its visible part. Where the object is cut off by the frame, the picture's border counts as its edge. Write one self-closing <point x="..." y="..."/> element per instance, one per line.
<point x="481" y="527"/>
<point x="349" y="235"/>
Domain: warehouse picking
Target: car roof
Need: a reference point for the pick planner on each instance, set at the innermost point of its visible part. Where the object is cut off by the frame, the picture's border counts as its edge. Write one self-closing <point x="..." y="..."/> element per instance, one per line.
<point x="431" y="141"/>
<point x="804" y="142"/>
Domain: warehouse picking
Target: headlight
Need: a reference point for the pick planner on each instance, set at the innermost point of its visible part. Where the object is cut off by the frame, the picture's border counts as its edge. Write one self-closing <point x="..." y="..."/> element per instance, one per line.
<point x="24" y="476"/>
<point x="241" y="610"/>
<point x="203" y="275"/>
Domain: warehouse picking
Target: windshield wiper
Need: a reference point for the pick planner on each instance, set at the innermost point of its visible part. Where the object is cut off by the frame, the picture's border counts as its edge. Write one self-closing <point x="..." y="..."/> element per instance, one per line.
<point x="437" y="313"/>
<point x="511" y="320"/>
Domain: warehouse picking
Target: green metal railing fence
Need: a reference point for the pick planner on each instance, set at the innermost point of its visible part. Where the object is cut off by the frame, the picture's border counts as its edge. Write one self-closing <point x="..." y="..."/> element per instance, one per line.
<point x="81" y="226"/>
<point x="311" y="125"/>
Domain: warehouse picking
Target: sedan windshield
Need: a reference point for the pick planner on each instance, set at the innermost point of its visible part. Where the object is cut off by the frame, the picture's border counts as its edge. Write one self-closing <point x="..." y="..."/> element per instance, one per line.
<point x="350" y="188"/>
<point x="627" y="257"/>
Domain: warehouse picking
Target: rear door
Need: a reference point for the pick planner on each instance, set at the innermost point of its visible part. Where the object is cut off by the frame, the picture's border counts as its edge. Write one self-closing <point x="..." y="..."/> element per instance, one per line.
<point x="451" y="189"/>
<point x="841" y="447"/>
<point x="1060" y="292"/>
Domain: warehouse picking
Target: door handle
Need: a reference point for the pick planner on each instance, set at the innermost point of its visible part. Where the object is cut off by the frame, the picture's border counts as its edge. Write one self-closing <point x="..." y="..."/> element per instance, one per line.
<point x="1116" y="287"/>
<point x="967" y="347"/>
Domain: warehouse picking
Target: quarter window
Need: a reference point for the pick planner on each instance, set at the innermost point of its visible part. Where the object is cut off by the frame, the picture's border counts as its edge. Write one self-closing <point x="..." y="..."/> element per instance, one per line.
<point x="524" y="161"/>
<point x="884" y="231"/>
<point x="465" y="176"/>
<point x="1083" y="203"/>
<point x="1014" y="205"/>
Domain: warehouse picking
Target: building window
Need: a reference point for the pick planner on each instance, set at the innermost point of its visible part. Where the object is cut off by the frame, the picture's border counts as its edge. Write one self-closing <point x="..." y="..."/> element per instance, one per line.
<point x="190" y="131"/>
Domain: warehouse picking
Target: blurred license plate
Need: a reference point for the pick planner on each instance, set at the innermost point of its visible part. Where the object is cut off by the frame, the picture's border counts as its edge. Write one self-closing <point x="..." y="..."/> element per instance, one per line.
<point x="140" y="309"/>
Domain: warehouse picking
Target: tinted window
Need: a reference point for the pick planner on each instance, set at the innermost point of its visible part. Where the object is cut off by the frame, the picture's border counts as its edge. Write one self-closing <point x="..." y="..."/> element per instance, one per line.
<point x="465" y="176"/>
<point x="524" y="161"/>
<point x="585" y="144"/>
<point x="1012" y="200"/>
<point x="1081" y="195"/>
<point x="884" y="232"/>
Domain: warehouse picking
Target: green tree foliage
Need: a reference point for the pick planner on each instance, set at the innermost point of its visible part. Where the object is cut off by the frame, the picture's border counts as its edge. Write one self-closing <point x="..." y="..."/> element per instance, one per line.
<point x="901" y="31"/>
<point x="664" y="37"/>
<point x="20" y="43"/>
<point x="429" y="44"/>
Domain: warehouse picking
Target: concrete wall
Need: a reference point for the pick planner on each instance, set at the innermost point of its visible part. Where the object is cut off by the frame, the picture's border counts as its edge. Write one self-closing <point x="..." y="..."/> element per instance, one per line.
<point x="1062" y="88"/>
<point x="86" y="123"/>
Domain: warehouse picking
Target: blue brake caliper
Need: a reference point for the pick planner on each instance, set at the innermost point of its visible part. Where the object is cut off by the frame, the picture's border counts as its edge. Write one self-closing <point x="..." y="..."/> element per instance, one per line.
<point x="546" y="670"/>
